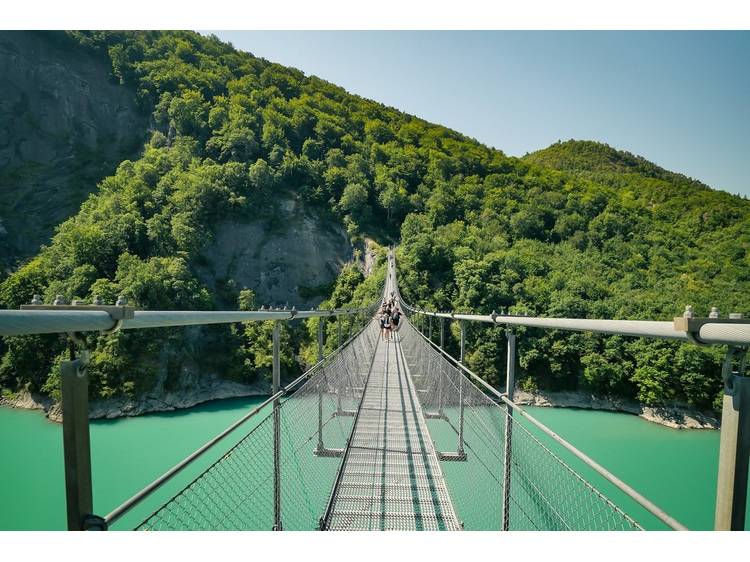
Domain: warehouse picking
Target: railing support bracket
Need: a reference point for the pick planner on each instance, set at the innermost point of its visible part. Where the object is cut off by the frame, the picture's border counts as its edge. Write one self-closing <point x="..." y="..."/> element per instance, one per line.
<point x="734" y="445"/>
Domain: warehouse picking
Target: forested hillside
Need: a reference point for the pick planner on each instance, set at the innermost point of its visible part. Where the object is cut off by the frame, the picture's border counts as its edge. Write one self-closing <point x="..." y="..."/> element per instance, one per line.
<point x="238" y="141"/>
<point x="581" y="230"/>
<point x="576" y="230"/>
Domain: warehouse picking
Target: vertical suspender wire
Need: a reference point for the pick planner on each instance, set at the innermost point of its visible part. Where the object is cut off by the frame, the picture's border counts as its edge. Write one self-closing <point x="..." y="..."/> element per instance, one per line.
<point x="276" y="428"/>
<point x="510" y="382"/>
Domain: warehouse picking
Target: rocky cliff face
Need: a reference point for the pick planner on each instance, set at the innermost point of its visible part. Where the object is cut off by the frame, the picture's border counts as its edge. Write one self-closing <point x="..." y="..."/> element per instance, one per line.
<point x="64" y="125"/>
<point x="676" y="416"/>
<point x="293" y="261"/>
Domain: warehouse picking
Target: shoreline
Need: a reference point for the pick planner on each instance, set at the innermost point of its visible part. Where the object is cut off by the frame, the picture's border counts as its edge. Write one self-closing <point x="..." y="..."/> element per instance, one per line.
<point x="676" y="416"/>
<point x="125" y="407"/>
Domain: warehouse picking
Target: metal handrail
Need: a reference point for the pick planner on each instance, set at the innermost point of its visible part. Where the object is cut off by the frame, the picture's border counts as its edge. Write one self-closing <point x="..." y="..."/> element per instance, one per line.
<point x="137" y="498"/>
<point x="714" y="333"/>
<point x="38" y="318"/>
<point x="28" y="322"/>
<point x="130" y="503"/>
<point x="637" y="328"/>
<point x="641" y="500"/>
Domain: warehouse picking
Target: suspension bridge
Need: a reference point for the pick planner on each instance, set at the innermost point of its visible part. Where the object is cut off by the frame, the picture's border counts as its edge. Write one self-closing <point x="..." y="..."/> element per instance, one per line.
<point x="387" y="434"/>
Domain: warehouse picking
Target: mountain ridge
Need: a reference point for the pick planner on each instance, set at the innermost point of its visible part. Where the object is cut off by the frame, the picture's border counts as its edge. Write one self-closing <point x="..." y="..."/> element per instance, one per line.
<point x="582" y="155"/>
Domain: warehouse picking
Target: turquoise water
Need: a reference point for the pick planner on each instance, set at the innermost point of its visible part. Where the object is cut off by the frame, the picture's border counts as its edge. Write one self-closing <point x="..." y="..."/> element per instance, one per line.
<point x="127" y="454"/>
<point x="674" y="468"/>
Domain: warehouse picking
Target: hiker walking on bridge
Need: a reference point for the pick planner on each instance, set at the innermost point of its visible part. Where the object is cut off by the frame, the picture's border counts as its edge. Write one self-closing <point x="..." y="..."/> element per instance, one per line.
<point x="396" y="318"/>
<point x="384" y="321"/>
<point x="387" y="325"/>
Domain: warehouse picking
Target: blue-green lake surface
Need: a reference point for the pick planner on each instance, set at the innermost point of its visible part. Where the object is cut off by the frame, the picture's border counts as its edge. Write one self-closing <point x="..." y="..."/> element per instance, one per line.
<point x="676" y="469"/>
<point x="127" y="454"/>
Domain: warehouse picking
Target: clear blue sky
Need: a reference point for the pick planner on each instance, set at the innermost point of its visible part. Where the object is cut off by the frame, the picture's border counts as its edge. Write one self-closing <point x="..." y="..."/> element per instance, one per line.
<point x="680" y="99"/>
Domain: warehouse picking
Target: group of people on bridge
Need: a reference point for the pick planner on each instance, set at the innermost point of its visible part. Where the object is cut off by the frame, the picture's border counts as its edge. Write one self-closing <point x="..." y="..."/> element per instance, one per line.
<point x="389" y="317"/>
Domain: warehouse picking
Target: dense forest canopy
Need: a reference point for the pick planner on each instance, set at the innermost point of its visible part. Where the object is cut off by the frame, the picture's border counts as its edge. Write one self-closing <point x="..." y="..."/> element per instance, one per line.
<point x="582" y="230"/>
<point x="577" y="230"/>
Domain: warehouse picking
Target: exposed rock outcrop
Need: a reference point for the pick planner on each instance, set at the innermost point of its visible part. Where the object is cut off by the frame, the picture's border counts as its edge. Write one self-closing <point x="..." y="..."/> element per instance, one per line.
<point x="292" y="261"/>
<point x="64" y="125"/>
<point x="368" y="257"/>
<point x="677" y="416"/>
<point x="210" y="388"/>
<point x="27" y="401"/>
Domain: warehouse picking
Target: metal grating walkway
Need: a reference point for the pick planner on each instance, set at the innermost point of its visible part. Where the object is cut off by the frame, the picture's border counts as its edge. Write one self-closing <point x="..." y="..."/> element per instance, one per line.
<point x="391" y="477"/>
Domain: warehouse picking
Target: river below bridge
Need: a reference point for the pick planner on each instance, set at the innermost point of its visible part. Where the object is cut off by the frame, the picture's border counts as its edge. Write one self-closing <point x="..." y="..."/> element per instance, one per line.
<point x="674" y="468"/>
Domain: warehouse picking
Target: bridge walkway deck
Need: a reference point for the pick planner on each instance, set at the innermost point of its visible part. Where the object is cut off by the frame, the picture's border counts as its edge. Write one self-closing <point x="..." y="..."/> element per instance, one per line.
<point x="391" y="477"/>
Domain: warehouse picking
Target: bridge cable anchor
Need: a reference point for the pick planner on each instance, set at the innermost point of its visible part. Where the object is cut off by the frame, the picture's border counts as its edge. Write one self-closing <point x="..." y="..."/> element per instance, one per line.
<point x="93" y="522"/>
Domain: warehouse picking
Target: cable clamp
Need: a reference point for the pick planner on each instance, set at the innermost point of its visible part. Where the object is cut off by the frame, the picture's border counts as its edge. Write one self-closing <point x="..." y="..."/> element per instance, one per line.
<point x="692" y="326"/>
<point x="117" y="312"/>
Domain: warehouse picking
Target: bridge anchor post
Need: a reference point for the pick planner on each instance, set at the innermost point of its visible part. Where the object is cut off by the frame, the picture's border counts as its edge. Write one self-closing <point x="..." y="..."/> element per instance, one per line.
<point x="76" y="443"/>
<point x="734" y="444"/>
